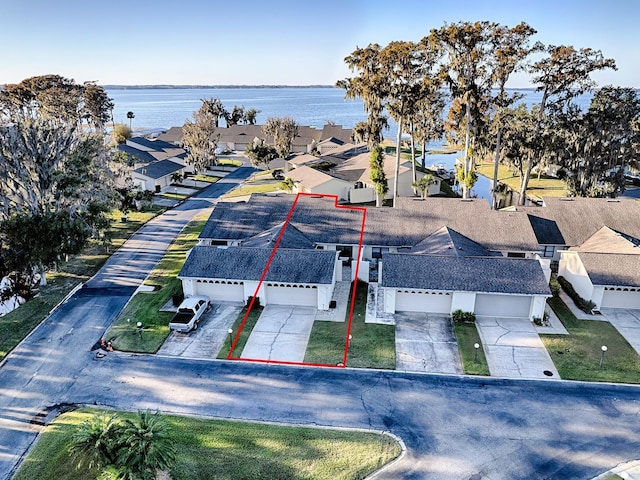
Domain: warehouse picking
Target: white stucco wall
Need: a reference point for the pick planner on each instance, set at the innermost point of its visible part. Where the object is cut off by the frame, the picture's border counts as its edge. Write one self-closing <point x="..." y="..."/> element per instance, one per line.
<point x="538" y="305"/>
<point x="389" y="300"/>
<point x="324" y="296"/>
<point x="188" y="287"/>
<point x="363" y="270"/>
<point x="596" y="296"/>
<point x="362" y="195"/>
<point x="573" y="270"/>
<point x="465" y="301"/>
<point x="250" y="289"/>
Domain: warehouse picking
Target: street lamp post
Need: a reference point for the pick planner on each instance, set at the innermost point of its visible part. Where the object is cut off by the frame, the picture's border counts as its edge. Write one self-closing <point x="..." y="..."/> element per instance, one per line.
<point x="604" y="349"/>
<point x="139" y="329"/>
<point x="230" y="332"/>
<point x="476" y="346"/>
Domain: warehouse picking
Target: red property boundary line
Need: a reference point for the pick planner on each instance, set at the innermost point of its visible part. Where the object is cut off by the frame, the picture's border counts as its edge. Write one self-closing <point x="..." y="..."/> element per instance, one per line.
<point x="343" y="364"/>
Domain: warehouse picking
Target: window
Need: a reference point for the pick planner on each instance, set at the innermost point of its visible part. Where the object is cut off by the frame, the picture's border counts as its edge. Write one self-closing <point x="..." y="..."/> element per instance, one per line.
<point x="345" y="251"/>
<point x="515" y="255"/>
<point x="548" y="251"/>
<point x="376" y="252"/>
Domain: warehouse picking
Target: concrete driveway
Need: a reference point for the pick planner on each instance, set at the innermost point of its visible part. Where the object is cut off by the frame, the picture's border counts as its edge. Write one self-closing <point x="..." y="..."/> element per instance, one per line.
<point x="513" y="349"/>
<point x="207" y="340"/>
<point x="627" y="322"/>
<point x="425" y="342"/>
<point x="281" y="334"/>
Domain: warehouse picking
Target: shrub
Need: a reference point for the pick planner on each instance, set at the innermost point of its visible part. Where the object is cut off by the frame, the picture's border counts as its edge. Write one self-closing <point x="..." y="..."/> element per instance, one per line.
<point x="554" y="286"/>
<point x="256" y="304"/>
<point x="464" y="317"/>
<point x="584" y="305"/>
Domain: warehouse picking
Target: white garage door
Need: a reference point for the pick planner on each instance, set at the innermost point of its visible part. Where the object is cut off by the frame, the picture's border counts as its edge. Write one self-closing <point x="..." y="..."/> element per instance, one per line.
<point x="621" y="299"/>
<point x="421" y="301"/>
<point x="503" y="305"/>
<point x="221" y="292"/>
<point x="292" y="295"/>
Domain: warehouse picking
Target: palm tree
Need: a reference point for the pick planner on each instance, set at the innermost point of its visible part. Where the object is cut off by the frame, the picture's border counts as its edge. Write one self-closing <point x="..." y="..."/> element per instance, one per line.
<point x="423" y="184"/>
<point x="146" y="446"/>
<point x="93" y="444"/>
<point x="130" y="116"/>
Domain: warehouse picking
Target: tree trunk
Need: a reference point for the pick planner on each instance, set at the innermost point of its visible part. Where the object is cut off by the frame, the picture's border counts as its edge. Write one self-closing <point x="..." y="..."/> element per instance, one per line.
<point x="395" y="178"/>
<point x="525" y="182"/>
<point x="43" y="276"/>
<point x="424" y="155"/>
<point x="496" y="163"/>
<point x="378" y="200"/>
<point x="413" y="154"/>
<point x="465" y="190"/>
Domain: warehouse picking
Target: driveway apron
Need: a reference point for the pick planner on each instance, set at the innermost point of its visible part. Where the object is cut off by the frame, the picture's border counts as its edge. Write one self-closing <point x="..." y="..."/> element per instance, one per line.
<point x="281" y="334"/>
<point x="426" y="343"/>
<point x="207" y="340"/>
<point x="627" y="322"/>
<point x="513" y="349"/>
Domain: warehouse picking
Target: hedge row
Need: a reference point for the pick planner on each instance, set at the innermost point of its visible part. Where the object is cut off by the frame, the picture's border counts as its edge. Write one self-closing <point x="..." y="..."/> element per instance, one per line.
<point x="584" y="305"/>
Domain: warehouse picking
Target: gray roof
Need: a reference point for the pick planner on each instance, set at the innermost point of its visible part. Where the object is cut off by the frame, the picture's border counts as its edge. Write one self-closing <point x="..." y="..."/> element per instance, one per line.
<point x="612" y="268"/>
<point x="157" y="145"/>
<point x="472" y="274"/>
<point x="577" y="219"/>
<point x="606" y="240"/>
<point x="447" y="241"/>
<point x="408" y="224"/>
<point x="240" y="263"/>
<point x="291" y="238"/>
<point x="159" y="169"/>
<point x="139" y="156"/>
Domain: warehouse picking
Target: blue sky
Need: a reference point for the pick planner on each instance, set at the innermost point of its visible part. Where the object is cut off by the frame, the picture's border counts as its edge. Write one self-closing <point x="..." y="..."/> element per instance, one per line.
<point x="290" y="42"/>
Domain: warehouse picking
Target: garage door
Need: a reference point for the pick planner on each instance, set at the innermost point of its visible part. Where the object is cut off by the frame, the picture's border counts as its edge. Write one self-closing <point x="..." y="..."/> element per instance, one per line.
<point x="621" y="299"/>
<point x="422" y="301"/>
<point x="503" y="305"/>
<point x="282" y="294"/>
<point x="221" y="292"/>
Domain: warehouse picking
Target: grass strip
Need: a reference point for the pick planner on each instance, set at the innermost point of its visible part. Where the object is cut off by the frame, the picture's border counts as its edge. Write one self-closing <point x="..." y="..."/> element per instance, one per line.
<point x="249" y="189"/>
<point x="544" y="186"/>
<point x="16" y="325"/>
<point x="225" y="450"/>
<point x="577" y="355"/>
<point x="145" y="306"/>
<point x="252" y="319"/>
<point x="467" y="336"/>
<point x="372" y="345"/>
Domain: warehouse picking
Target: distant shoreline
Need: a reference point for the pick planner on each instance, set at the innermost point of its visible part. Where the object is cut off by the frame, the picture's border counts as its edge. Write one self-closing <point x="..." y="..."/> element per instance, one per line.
<point x="200" y="87"/>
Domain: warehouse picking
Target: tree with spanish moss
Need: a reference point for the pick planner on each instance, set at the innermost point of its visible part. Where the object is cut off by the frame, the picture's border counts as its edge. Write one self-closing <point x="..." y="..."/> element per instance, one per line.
<point x="282" y="131"/>
<point x="200" y="138"/>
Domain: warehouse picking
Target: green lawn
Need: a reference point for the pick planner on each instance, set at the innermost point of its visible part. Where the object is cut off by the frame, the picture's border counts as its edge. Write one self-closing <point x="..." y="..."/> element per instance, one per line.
<point x="144" y="306"/>
<point x="244" y="335"/>
<point x="205" y="178"/>
<point x="577" y="355"/>
<point x="17" y="324"/>
<point x="249" y="189"/>
<point x="372" y="345"/>
<point x="467" y="336"/>
<point x="229" y="162"/>
<point x="225" y="450"/>
<point x="546" y="186"/>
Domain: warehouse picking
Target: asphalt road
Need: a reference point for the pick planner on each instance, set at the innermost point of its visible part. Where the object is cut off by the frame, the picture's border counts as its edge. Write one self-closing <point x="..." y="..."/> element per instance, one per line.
<point x="49" y="361"/>
<point x="454" y="427"/>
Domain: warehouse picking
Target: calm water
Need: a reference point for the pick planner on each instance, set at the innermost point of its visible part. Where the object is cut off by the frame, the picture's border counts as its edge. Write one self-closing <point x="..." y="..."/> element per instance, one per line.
<point x="160" y="109"/>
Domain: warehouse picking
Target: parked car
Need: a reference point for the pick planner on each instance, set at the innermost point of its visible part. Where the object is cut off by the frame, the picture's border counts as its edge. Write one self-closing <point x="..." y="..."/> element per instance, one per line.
<point x="189" y="313"/>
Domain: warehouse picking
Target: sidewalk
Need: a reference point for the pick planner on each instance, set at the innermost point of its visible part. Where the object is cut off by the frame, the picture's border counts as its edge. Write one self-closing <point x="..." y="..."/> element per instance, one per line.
<point x="628" y="471"/>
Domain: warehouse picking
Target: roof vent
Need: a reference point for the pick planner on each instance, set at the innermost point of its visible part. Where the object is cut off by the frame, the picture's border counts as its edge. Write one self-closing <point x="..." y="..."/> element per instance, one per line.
<point x="566" y="199"/>
<point x="612" y="200"/>
<point x="466" y="199"/>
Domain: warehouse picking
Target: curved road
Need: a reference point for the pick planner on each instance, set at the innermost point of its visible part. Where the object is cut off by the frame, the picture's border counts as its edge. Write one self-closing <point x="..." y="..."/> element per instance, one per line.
<point x="454" y="427"/>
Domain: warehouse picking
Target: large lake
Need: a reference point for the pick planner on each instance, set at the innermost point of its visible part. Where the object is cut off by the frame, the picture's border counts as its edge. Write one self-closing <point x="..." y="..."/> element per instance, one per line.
<point x="157" y="109"/>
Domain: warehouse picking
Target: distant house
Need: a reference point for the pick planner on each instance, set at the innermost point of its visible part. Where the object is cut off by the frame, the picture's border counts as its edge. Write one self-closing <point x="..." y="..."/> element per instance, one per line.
<point x="237" y="137"/>
<point x="156" y="175"/>
<point x="349" y="176"/>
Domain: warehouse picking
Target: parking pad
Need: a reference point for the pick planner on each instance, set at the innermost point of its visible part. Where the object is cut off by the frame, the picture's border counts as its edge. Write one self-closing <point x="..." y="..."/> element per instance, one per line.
<point x="627" y="322"/>
<point x="281" y="334"/>
<point x="426" y="343"/>
<point x="513" y="349"/>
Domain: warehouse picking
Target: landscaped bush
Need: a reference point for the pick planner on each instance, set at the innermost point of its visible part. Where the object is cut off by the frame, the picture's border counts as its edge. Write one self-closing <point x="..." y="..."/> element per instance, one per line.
<point x="256" y="304"/>
<point x="584" y="305"/>
<point x="554" y="286"/>
<point x="465" y="317"/>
